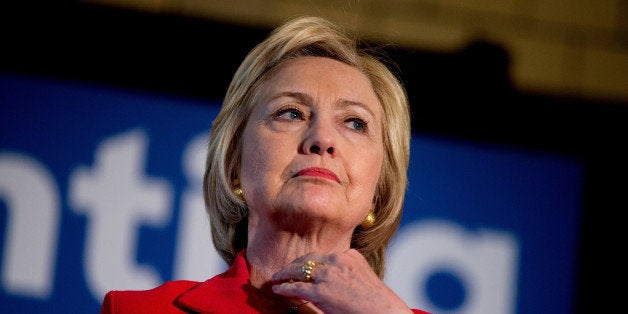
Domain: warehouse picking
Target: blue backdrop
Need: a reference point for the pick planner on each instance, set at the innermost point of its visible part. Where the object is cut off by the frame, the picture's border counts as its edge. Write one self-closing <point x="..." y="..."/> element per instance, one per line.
<point x="100" y="190"/>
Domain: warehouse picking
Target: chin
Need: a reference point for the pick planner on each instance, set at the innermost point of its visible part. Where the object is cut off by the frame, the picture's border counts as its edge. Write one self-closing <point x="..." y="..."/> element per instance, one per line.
<point x="317" y="194"/>
<point x="312" y="198"/>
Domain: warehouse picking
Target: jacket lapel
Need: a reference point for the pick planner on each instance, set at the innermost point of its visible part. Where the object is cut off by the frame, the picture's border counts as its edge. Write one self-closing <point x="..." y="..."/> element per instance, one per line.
<point x="229" y="292"/>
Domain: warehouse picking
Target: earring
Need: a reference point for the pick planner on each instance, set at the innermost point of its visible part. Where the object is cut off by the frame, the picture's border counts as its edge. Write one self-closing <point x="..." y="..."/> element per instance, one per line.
<point x="238" y="192"/>
<point x="369" y="220"/>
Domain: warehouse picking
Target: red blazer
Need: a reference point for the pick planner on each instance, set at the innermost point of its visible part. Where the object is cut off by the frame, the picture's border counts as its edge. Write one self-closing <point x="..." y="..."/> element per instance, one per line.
<point x="228" y="292"/>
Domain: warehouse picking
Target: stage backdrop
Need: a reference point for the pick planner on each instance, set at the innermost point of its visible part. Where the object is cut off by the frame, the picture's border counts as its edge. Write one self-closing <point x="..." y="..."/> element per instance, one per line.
<point x="100" y="189"/>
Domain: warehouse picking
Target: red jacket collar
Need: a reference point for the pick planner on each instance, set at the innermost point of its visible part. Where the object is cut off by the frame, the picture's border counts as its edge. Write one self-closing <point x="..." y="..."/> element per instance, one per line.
<point x="229" y="292"/>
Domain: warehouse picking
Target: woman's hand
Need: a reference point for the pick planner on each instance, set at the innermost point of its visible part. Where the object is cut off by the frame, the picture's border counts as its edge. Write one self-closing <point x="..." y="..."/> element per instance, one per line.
<point x="339" y="283"/>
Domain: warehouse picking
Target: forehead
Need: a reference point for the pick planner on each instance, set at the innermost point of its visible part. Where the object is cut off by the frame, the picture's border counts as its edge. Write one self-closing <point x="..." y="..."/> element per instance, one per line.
<point x="321" y="77"/>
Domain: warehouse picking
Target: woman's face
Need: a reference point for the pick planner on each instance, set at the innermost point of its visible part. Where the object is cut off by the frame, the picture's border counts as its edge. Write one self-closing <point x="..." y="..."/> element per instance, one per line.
<point x="312" y="146"/>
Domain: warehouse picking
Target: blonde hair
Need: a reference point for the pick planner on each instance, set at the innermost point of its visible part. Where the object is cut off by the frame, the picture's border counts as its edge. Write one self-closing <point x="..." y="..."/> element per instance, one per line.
<point x="307" y="36"/>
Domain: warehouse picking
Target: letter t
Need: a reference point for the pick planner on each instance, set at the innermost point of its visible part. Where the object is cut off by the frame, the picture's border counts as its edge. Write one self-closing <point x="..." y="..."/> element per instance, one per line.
<point x="118" y="197"/>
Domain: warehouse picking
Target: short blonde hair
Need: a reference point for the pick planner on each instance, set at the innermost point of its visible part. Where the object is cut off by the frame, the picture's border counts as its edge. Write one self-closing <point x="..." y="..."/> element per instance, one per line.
<point x="306" y="36"/>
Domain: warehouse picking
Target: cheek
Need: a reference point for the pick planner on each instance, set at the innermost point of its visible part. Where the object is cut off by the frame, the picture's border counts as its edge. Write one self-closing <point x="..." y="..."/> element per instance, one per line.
<point x="367" y="171"/>
<point x="262" y="159"/>
<point x="373" y="165"/>
<point x="254" y="159"/>
<point x="252" y="165"/>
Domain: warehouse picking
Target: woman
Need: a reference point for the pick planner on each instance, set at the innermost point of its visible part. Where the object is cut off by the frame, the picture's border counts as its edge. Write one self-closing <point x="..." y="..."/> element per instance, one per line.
<point x="304" y="183"/>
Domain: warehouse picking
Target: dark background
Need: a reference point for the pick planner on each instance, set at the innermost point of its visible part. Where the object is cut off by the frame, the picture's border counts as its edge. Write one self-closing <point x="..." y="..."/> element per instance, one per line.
<point x="464" y="95"/>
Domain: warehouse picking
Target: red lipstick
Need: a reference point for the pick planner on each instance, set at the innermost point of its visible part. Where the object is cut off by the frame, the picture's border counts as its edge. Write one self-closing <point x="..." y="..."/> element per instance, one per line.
<point x="318" y="172"/>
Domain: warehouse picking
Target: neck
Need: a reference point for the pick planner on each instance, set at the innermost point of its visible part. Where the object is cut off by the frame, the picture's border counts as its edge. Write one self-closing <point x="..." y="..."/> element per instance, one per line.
<point x="269" y="251"/>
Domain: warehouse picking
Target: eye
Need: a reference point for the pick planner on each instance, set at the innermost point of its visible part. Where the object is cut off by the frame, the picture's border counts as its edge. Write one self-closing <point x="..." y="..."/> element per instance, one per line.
<point x="289" y="114"/>
<point x="357" y="124"/>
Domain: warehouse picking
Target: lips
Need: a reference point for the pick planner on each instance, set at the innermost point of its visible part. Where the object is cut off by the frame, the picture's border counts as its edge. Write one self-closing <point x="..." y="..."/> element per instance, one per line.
<point x="319" y="173"/>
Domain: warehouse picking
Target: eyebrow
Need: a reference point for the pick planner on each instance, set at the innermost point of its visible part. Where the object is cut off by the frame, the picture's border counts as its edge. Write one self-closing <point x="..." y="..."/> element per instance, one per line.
<point x="308" y="100"/>
<point x="301" y="97"/>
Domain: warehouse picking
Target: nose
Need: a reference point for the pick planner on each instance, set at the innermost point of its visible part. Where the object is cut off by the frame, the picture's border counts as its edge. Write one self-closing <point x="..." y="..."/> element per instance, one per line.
<point x="320" y="138"/>
<point x="316" y="149"/>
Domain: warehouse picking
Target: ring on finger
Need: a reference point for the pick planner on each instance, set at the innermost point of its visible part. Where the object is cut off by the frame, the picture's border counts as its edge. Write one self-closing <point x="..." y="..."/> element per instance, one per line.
<point x="306" y="270"/>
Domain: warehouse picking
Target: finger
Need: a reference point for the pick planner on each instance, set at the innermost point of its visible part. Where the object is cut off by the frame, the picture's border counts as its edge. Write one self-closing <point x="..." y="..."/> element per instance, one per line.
<point x="295" y="289"/>
<point x="297" y="272"/>
<point x="288" y="273"/>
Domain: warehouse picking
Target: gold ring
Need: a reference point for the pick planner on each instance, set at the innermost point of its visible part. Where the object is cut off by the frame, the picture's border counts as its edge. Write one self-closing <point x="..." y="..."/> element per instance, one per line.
<point x="306" y="269"/>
